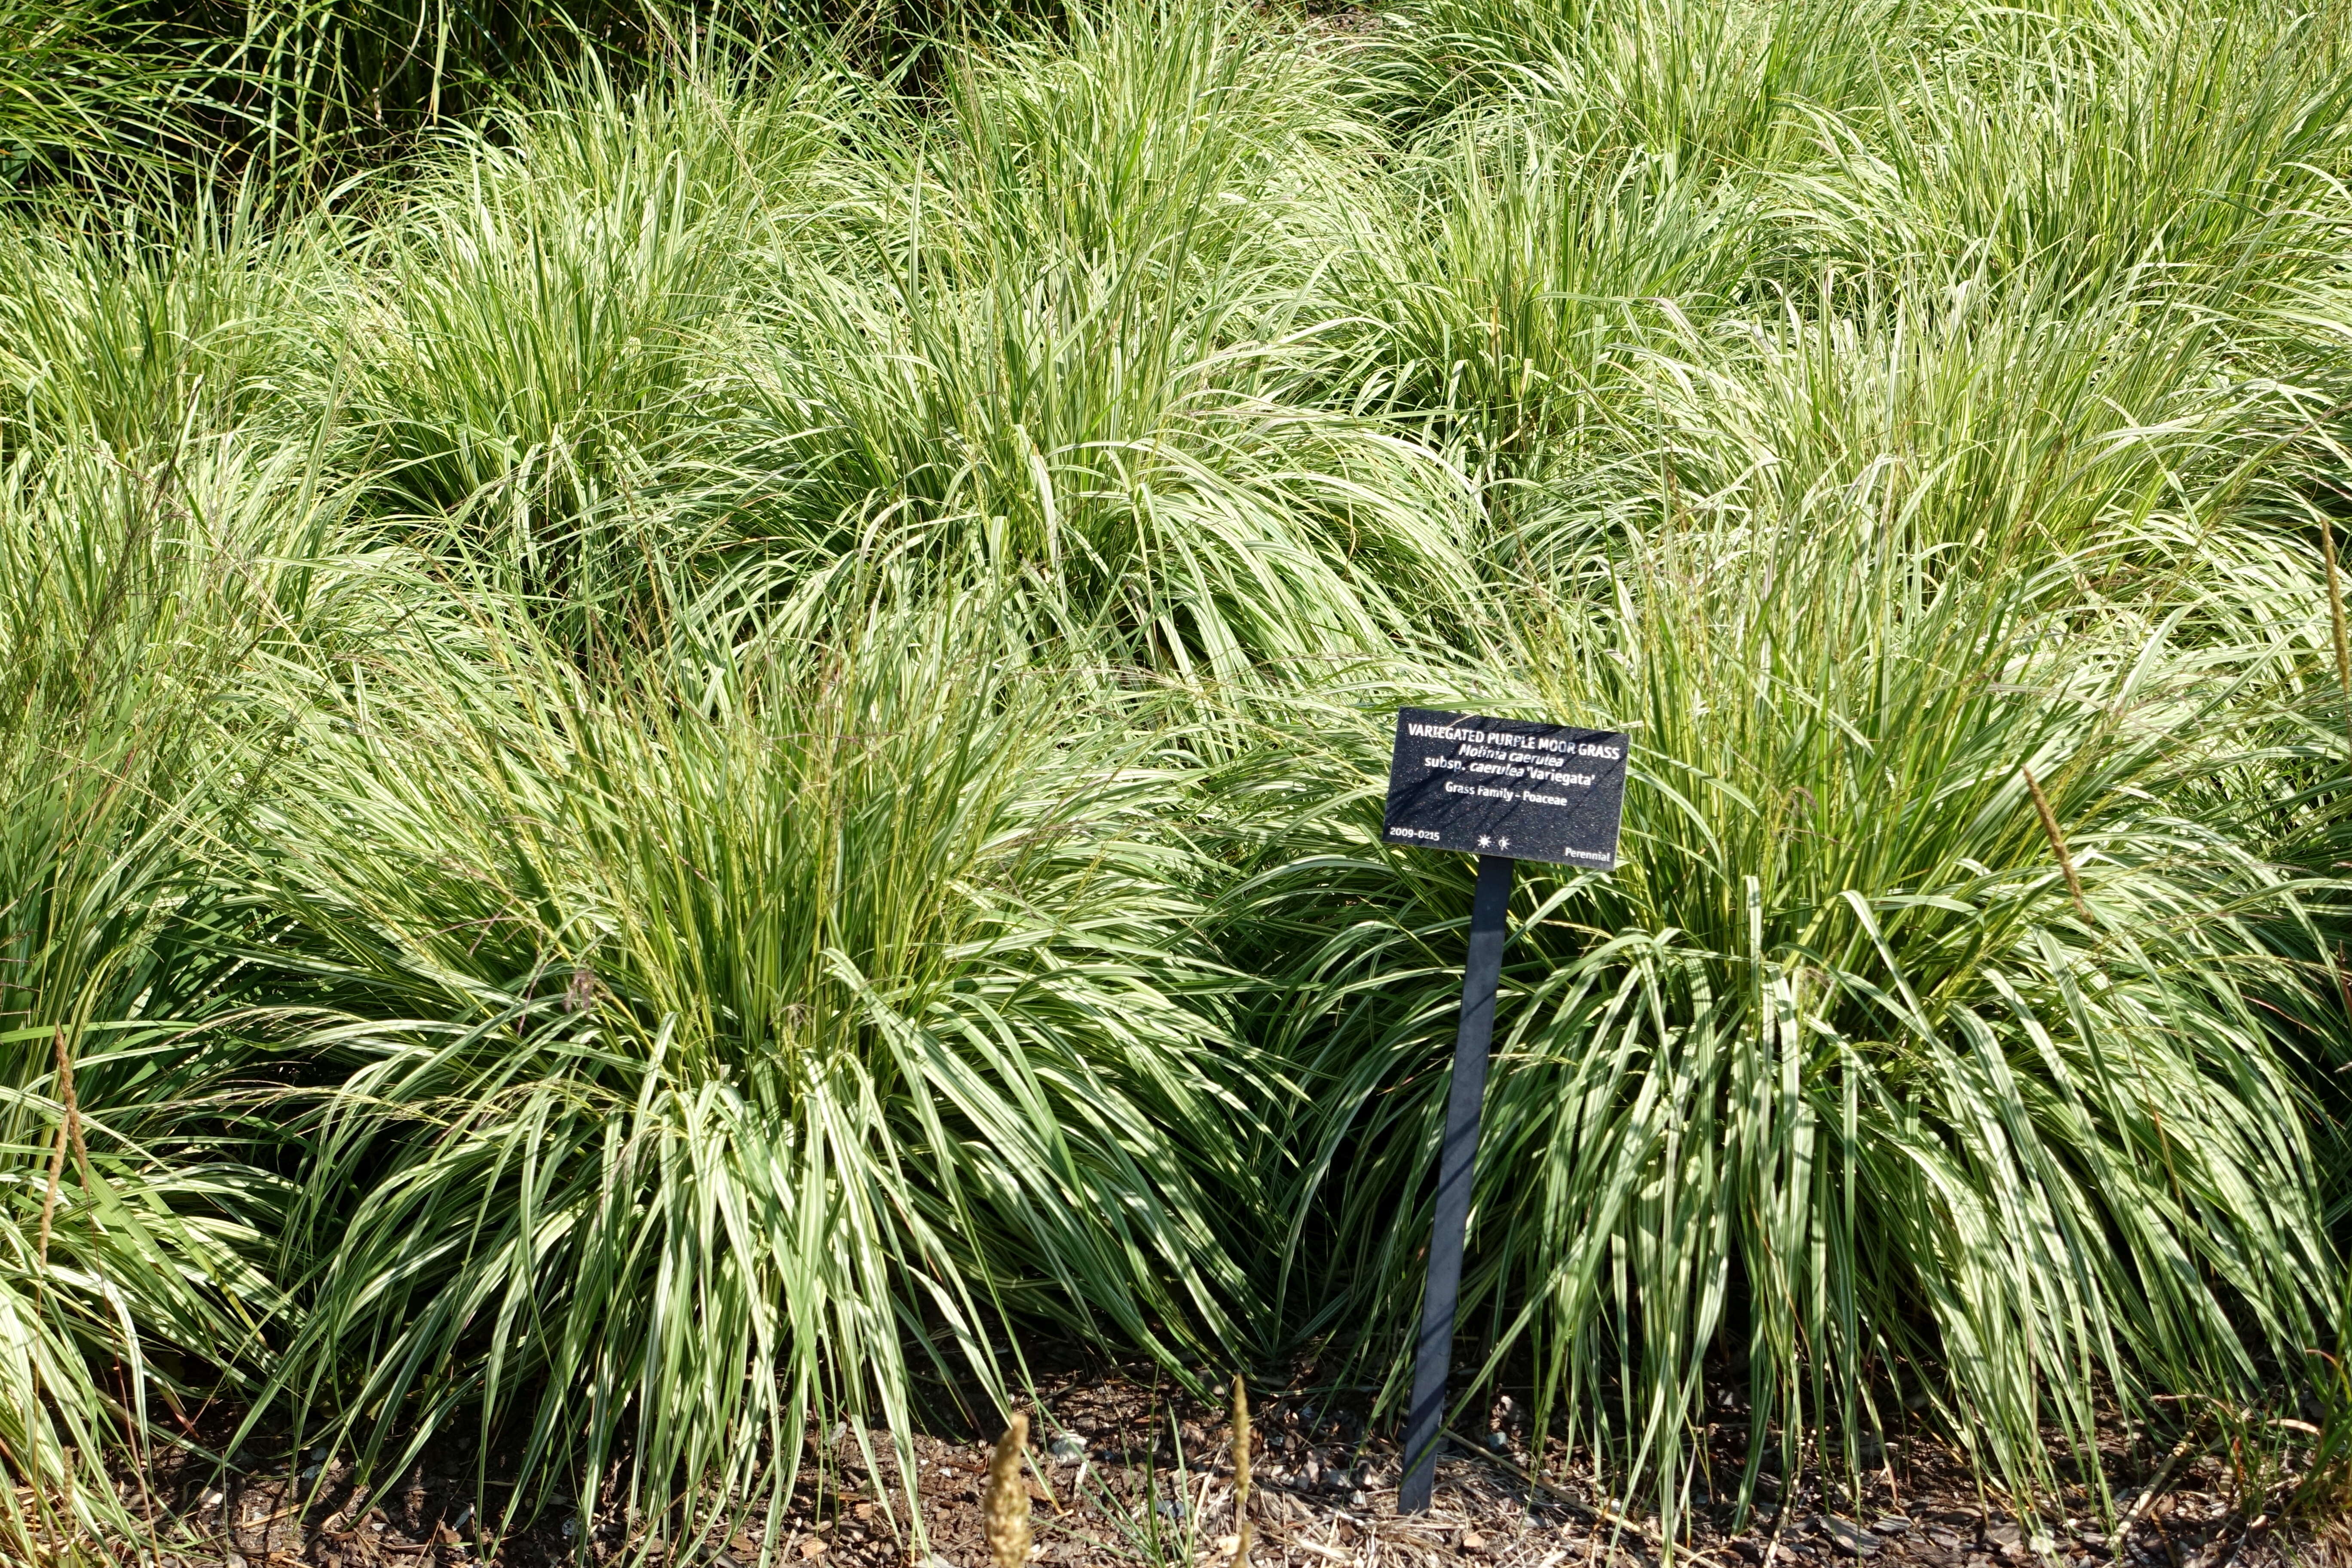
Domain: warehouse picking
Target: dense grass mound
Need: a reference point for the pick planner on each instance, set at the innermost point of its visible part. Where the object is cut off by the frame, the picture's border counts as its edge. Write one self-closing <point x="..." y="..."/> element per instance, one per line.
<point x="693" y="726"/>
<point x="693" y="1053"/>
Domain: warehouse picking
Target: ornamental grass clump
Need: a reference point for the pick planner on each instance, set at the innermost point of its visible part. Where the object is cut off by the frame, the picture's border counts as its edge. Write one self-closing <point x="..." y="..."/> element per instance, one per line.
<point x="134" y="1191"/>
<point x="710" y="1021"/>
<point x="1858" y="1065"/>
<point x="528" y="364"/>
<point x="1094" y="363"/>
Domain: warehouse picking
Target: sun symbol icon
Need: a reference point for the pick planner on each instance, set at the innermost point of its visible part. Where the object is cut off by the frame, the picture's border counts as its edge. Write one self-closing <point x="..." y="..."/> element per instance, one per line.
<point x="1486" y="842"/>
<point x="1504" y="844"/>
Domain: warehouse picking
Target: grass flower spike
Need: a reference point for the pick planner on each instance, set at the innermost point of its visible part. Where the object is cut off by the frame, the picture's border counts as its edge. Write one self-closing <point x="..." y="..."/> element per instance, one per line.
<point x="1004" y="1506"/>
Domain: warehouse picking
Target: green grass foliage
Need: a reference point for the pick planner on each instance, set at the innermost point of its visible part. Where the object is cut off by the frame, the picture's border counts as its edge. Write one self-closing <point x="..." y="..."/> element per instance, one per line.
<point x="892" y="1019"/>
<point x="696" y="709"/>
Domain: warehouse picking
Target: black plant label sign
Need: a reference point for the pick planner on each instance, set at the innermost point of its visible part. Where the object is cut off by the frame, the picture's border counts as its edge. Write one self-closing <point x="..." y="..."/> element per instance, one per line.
<point x="1507" y="786"/>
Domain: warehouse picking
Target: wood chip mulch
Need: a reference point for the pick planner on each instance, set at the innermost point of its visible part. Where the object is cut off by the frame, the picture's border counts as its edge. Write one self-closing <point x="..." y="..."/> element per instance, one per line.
<point x="1126" y="1476"/>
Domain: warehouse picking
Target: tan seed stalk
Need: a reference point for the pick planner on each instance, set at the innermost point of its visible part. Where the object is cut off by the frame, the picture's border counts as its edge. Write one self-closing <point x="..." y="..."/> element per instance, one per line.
<point x="2335" y="614"/>
<point x="1241" y="1475"/>
<point x="1004" y="1505"/>
<point x="68" y="1132"/>
<point x="2057" y="844"/>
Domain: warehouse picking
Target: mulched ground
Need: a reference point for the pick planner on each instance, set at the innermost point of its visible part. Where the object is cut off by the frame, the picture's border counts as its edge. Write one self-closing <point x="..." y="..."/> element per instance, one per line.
<point x="1128" y="1476"/>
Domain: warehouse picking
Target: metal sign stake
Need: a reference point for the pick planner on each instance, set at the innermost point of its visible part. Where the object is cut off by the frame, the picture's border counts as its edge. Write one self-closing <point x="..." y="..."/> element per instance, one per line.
<point x="1456" y="1160"/>
<point x="1505" y="790"/>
